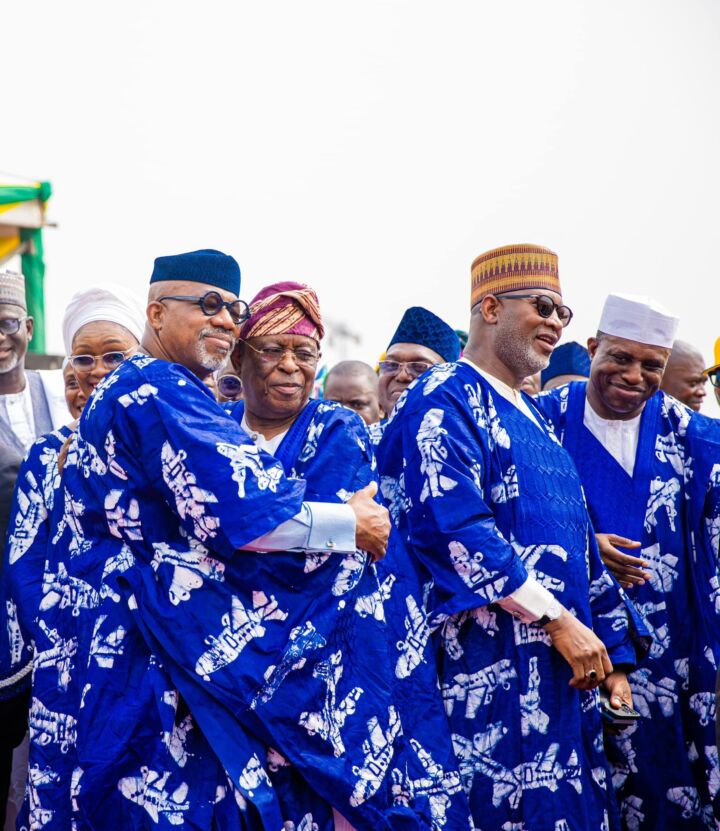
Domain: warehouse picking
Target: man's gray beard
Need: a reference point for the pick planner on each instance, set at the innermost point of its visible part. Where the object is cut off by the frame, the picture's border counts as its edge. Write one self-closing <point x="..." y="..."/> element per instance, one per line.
<point x="9" y="363"/>
<point x="516" y="351"/>
<point x="212" y="362"/>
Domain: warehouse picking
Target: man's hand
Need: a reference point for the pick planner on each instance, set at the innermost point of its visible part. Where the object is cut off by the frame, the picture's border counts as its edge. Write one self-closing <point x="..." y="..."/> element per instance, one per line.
<point x="582" y="649"/>
<point x="372" y="522"/>
<point x="625" y="569"/>
<point x="618" y="688"/>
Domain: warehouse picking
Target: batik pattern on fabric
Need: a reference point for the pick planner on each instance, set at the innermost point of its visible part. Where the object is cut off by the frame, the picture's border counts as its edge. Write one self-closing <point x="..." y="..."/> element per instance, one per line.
<point x="24" y="559"/>
<point x="666" y="768"/>
<point x="483" y="497"/>
<point x="328" y="449"/>
<point x="192" y="657"/>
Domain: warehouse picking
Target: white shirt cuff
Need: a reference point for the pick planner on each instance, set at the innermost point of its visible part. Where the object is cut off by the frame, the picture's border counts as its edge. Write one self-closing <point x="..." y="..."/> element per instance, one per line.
<point x="318" y="526"/>
<point x="528" y="603"/>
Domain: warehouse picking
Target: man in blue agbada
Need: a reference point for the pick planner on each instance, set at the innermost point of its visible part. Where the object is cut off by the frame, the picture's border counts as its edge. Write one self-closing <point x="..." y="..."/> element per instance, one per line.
<point x="650" y="468"/>
<point x="528" y="621"/>
<point x="327" y="446"/>
<point x="101" y="327"/>
<point x="192" y="656"/>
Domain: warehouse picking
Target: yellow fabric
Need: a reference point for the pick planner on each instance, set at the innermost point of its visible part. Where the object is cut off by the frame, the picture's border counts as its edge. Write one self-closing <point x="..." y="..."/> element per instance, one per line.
<point x="716" y="365"/>
<point x="514" y="267"/>
<point x="8" y="246"/>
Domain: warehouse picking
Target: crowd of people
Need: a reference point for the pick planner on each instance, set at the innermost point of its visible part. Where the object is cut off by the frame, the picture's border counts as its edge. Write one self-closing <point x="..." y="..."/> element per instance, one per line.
<point x="475" y="586"/>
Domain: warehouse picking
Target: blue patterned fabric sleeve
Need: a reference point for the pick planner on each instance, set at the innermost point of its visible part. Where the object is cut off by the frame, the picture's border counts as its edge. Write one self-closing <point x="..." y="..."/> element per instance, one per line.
<point x="172" y="433"/>
<point x="443" y="498"/>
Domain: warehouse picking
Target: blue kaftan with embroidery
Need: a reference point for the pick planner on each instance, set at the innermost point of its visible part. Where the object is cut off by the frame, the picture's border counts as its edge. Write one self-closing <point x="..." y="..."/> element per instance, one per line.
<point x="327" y="447"/>
<point x="22" y="572"/>
<point x="483" y="498"/>
<point x="184" y="658"/>
<point x="665" y="769"/>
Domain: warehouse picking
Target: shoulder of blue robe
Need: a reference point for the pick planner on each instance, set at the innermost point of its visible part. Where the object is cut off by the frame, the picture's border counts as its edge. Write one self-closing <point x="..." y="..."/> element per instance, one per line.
<point x="23" y="559"/>
<point x="435" y="461"/>
<point x="553" y="404"/>
<point x="155" y="425"/>
<point x="334" y="457"/>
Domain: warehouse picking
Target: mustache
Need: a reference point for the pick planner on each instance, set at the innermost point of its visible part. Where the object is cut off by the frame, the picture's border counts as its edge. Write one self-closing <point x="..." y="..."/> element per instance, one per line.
<point x="217" y="331"/>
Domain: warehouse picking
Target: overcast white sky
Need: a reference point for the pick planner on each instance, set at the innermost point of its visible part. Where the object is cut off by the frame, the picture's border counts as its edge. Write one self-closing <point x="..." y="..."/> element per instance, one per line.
<point x="374" y="149"/>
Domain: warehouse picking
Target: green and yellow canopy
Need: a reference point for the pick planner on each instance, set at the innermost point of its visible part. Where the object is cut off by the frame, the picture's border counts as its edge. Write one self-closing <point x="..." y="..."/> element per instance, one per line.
<point x="22" y="216"/>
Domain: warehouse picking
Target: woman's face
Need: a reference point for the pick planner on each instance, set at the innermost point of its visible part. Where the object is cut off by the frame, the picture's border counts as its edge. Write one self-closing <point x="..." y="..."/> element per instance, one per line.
<point x="74" y="396"/>
<point x="109" y="344"/>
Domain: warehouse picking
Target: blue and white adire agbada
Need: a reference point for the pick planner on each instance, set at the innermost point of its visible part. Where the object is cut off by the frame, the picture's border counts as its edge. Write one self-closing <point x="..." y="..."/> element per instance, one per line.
<point x="666" y="769"/>
<point x="327" y="447"/>
<point x="184" y="658"/>
<point x="484" y="497"/>
<point x="24" y="559"/>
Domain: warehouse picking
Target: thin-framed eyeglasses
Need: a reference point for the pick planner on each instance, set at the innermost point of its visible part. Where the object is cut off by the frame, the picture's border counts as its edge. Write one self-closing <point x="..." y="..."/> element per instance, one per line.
<point x="110" y="360"/>
<point x="413" y="368"/>
<point x="211" y="303"/>
<point x="714" y="377"/>
<point x="545" y="306"/>
<point x="11" y="325"/>
<point x="302" y="355"/>
<point x="229" y="385"/>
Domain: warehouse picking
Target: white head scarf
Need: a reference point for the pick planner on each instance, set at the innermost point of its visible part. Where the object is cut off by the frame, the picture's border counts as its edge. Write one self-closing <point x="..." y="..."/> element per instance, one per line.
<point x="108" y="302"/>
<point x="638" y="318"/>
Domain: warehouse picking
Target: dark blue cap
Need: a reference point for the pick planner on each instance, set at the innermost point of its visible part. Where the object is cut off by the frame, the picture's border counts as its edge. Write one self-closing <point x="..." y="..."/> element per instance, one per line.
<point x="218" y="270"/>
<point x="418" y="325"/>
<point x="568" y="359"/>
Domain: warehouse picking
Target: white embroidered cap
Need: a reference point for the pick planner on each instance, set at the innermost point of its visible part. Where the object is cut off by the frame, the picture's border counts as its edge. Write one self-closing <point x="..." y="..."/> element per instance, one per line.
<point x="104" y="302"/>
<point x="638" y="318"/>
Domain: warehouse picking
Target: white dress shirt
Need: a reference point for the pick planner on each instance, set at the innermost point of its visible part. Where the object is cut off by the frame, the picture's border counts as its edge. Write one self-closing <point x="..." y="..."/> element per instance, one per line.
<point x="532" y="600"/>
<point x="619" y="438"/>
<point x="18" y="412"/>
<point x="318" y="526"/>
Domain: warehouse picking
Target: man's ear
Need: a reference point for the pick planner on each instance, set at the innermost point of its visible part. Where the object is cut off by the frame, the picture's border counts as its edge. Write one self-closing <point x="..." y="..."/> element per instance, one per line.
<point x="155" y="315"/>
<point x="236" y="357"/>
<point x="30" y="326"/>
<point x="592" y="345"/>
<point x="489" y="307"/>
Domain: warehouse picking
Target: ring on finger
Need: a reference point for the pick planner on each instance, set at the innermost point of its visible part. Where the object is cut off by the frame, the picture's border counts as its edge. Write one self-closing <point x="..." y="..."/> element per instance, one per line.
<point x="591" y="674"/>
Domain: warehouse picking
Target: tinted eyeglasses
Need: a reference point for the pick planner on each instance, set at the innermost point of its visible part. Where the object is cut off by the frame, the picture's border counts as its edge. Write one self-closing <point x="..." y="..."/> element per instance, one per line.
<point x="545" y="306"/>
<point x="211" y="303"/>
<point x="714" y="377"/>
<point x="413" y="368"/>
<point x="11" y="325"/>
<point x="229" y="386"/>
<point x="110" y="360"/>
<point x="303" y="355"/>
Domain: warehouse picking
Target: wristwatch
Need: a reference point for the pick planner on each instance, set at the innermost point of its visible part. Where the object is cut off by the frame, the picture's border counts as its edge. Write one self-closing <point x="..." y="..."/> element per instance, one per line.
<point x="553" y="612"/>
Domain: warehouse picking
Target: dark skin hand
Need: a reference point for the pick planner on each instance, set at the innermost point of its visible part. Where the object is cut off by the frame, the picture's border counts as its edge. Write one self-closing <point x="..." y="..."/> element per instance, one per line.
<point x="372" y="527"/>
<point x="582" y="649"/>
<point x="627" y="570"/>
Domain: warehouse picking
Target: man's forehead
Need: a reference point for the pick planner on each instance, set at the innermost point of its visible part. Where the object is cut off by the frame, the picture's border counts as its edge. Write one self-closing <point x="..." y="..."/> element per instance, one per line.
<point x="350" y="384"/>
<point x="411" y="352"/>
<point x="10" y="310"/>
<point x="191" y="288"/>
<point x="633" y="347"/>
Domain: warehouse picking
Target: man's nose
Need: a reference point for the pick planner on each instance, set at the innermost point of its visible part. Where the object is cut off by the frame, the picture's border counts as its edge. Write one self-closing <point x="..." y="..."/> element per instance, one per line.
<point x="632" y="375"/>
<point x="223" y="320"/>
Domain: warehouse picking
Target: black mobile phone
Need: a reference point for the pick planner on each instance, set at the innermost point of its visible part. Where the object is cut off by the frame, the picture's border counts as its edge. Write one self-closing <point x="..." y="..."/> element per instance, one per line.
<point x="623" y="716"/>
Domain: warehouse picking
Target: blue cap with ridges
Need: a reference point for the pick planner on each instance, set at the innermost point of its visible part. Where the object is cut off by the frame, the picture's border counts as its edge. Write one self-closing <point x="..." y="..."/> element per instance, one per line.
<point x="208" y="266"/>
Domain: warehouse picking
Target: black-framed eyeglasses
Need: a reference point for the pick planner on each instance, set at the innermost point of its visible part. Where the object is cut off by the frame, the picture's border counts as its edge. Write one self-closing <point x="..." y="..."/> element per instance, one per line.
<point x="413" y="368"/>
<point x="211" y="303"/>
<point x="714" y="377"/>
<point x="545" y="306"/>
<point x="303" y="355"/>
<point x="110" y="360"/>
<point x="229" y="386"/>
<point x="11" y="325"/>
